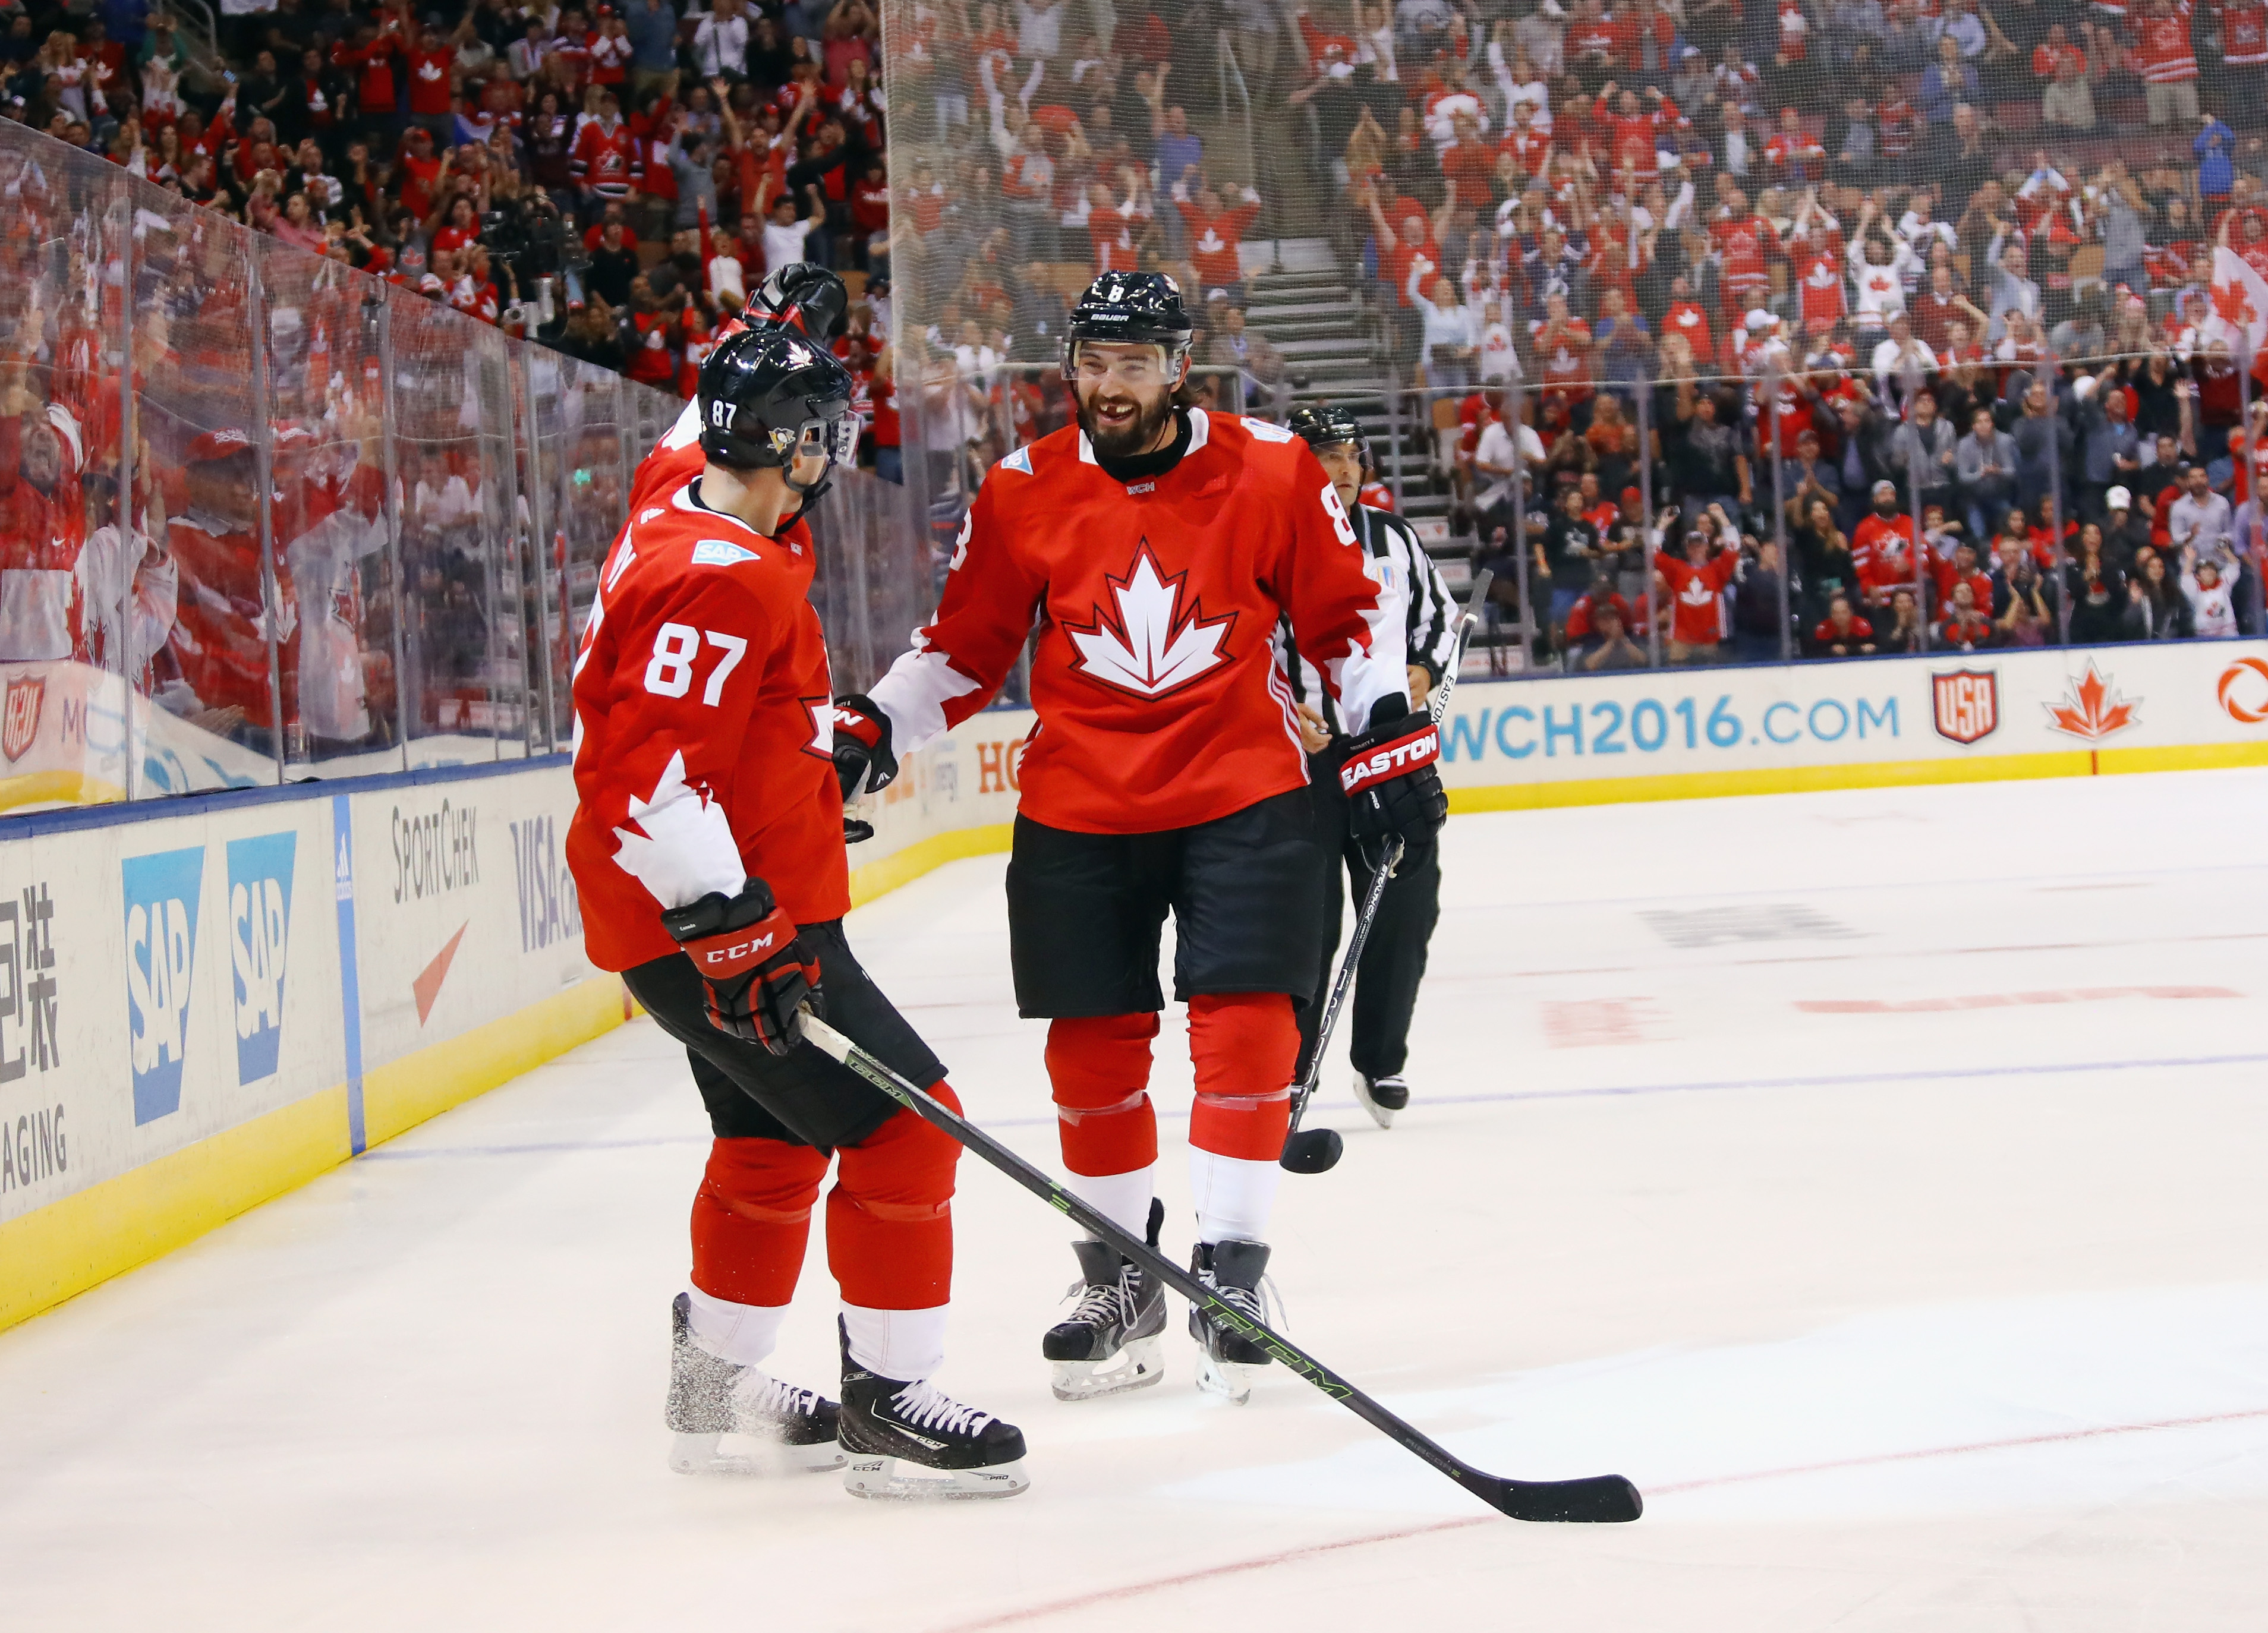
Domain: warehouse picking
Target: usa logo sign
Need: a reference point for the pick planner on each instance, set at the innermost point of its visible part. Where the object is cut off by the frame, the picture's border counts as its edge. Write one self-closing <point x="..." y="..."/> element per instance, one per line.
<point x="1966" y="704"/>
<point x="19" y="724"/>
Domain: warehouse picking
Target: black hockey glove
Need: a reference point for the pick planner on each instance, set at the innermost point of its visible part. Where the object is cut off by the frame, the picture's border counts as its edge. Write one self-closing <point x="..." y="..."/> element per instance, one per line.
<point x="863" y="761"/>
<point x="1390" y="783"/>
<point x="756" y="967"/>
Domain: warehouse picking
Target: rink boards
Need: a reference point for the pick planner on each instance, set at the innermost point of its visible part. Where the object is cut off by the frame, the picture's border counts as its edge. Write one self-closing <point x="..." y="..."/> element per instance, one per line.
<point x="1957" y="717"/>
<point x="204" y="1003"/>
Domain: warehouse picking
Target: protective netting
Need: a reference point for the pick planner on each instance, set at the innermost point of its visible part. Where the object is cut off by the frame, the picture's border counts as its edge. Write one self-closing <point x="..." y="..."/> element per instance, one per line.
<point x="1578" y="269"/>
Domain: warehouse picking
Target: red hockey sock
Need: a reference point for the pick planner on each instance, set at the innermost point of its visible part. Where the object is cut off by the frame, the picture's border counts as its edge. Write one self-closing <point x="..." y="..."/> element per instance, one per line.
<point x="752" y="1218"/>
<point x="1245" y="1046"/>
<point x="889" y="1218"/>
<point x="1100" y="1068"/>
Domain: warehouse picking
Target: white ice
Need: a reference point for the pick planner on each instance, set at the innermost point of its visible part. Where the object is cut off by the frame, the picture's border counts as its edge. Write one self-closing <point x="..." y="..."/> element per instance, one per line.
<point x="1876" y="1178"/>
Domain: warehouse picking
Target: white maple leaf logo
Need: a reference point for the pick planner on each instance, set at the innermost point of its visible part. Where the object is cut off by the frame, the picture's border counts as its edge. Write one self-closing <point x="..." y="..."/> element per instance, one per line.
<point x="1152" y="647"/>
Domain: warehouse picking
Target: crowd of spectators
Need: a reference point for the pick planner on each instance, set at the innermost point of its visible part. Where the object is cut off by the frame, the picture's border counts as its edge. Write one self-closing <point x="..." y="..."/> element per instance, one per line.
<point x="610" y="179"/>
<point x="1962" y="247"/>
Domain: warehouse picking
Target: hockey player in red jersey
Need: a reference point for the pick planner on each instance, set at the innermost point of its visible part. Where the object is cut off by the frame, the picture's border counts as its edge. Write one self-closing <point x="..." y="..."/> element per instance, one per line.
<point x="1157" y="547"/>
<point x="707" y="845"/>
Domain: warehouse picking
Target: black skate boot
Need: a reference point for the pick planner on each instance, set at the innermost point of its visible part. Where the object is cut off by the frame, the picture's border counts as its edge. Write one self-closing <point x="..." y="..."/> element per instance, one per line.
<point x="889" y="1423"/>
<point x="1109" y="1343"/>
<point x="1226" y="1359"/>
<point x="783" y="1429"/>
<point x="1381" y="1097"/>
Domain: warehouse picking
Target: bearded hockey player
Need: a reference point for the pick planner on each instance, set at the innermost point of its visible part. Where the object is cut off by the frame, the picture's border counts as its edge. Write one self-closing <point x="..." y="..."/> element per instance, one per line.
<point x="1156" y="547"/>
<point x="708" y="848"/>
<point x="1394" y="958"/>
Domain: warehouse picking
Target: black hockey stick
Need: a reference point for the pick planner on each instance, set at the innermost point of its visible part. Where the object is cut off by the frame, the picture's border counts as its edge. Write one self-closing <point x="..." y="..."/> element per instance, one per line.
<point x="1600" y="1499"/>
<point x="1318" y="1151"/>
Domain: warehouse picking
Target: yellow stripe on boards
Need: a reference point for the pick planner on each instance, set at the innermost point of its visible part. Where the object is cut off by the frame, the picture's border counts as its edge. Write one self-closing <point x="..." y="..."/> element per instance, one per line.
<point x="57" y="1252"/>
<point x="879" y="879"/>
<point x="427" y="1082"/>
<point x="57" y="788"/>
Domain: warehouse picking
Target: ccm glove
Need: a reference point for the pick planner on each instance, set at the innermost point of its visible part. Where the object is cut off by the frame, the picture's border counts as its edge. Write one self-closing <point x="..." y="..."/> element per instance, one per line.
<point x="1390" y="782"/>
<point x="754" y="961"/>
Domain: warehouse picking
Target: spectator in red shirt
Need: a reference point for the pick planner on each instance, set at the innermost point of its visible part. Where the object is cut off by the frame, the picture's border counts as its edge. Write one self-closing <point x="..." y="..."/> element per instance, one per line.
<point x="432" y="70"/>
<point x="379" y="113"/>
<point x="1697" y="588"/>
<point x="1843" y="633"/>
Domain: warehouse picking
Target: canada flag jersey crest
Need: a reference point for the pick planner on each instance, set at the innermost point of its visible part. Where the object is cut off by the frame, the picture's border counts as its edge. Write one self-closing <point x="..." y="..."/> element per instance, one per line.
<point x="1147" y="642"/>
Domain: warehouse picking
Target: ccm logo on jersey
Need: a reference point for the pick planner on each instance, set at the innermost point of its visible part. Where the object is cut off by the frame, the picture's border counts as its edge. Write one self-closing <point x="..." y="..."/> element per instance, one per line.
<point x="1392" y="760"/>
<point x="738" y="950"/>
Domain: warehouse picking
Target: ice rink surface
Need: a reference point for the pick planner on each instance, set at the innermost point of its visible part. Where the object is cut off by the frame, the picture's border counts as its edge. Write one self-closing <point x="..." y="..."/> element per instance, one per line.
<point x="1879" y="1179"/>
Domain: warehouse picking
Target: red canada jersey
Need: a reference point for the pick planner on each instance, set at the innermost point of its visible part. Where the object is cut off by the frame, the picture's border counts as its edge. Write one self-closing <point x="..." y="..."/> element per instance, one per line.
<point x="703" y="730"/>
<point x="1160" y="699"/>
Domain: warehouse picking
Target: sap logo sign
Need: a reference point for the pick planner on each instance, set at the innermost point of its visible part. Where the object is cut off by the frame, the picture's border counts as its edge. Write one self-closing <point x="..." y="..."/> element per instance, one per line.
<point x="259" y="933"/>
<point x="161" y="946"/>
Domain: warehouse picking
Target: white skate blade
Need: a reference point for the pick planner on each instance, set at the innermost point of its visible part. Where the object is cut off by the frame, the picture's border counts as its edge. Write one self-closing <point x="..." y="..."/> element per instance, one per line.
<point x="1382" y="1115"/>
<point x="1231" y="1380"/>
<point x="1138" y="1363"/>
<point x="751" y="1456"/>
<point x="890" y="1480"/>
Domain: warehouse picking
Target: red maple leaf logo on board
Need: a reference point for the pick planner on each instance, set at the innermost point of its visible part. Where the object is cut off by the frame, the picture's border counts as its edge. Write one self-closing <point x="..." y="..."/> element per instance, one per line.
<point x="2233" y="306"/>
<point x="2091" y="710"/>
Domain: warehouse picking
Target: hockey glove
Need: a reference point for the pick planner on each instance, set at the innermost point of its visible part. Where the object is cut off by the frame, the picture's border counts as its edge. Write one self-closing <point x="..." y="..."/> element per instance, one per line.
<point x="1390" y="783"/>
<point x="757" y="970"/>
<point x="864" y="763"/>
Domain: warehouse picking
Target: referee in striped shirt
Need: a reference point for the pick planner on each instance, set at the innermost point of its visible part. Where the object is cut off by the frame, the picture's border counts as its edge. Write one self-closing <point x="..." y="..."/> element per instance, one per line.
<point x="1393" y="960"/>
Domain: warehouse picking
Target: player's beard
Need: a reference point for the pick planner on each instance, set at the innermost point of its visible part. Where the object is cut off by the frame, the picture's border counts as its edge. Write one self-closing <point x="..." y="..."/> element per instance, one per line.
<point x="1125" y="438"/>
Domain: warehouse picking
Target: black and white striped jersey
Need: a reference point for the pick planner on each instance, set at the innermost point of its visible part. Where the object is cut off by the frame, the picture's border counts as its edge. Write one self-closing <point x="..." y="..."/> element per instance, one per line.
<point x="1408" y="578"/>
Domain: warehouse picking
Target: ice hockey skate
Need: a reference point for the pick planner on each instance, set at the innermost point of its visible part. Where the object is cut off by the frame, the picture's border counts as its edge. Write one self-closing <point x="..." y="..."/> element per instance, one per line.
<point x="1110" y="1341"/>
<point x="1381" y="1097"/>
<point x="1226" y="1360"/>
<point x="913" y="1440"/>
<point x="777" y="1428"/>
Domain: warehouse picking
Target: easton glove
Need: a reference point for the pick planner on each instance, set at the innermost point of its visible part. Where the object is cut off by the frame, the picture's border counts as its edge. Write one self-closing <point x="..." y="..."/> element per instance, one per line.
<point x="863" y="761"/>
<point x="1390" y="783"/>
<point x="752" y="958"/>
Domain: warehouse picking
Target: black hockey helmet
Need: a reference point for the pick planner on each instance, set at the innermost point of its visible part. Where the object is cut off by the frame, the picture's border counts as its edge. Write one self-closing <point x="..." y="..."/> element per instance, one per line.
<point x="770" y="393"/>
<point x="804" y="296"/>
<point x="1130" y="309"/>
<point x="1326" y="425"/>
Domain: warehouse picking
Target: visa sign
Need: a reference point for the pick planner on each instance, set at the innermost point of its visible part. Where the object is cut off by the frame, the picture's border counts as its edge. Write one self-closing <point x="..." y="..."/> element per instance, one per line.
<point x="259" y="927"/>
<point x="161" y="945"/>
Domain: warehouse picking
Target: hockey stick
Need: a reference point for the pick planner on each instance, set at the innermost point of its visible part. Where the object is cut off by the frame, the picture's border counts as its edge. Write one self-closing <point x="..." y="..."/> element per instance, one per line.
<point x="1318" y="1151"/>
<point x="1597" y="1500"/>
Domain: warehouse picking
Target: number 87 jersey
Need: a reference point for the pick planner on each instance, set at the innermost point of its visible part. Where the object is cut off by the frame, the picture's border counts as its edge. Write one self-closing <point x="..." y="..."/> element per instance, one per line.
<point x="703" y="746"/>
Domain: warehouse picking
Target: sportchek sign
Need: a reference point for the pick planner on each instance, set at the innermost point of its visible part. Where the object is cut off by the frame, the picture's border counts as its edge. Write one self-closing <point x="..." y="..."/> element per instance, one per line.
<point x="2198" y="703"/>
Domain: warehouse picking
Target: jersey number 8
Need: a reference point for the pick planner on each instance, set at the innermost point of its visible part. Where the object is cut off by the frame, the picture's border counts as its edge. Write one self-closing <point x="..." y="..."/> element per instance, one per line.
<point x="670" y="674"/>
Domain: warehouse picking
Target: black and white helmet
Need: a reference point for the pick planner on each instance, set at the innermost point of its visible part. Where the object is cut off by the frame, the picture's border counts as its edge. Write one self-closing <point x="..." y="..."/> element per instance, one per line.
<point x="801" y="295"/>
<point x="1326" y="425"/>
<point x="767" y="395"/>
<point x="1130" y="309"/>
